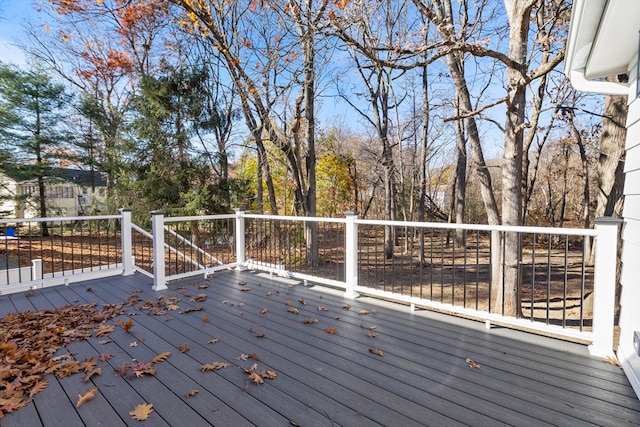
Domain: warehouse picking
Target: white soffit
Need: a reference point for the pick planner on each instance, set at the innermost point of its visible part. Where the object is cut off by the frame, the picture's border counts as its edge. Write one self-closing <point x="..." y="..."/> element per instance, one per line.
<point x="616" y="41"/>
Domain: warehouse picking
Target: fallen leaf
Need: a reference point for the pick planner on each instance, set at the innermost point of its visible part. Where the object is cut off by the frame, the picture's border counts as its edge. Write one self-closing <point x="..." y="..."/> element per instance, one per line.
<point x="302" y="301"/>
<point x="213" y="341"/>
<point x="37" y="388"/>
<point x="264" y="311"/>
<point x="287" y="302"/>
<point x="103" y="330"/>
<point x="245" y="289"/>
<point x="143" y="368"/>
<point x="127" y="325"/>
<point x="361" y="312"/>
<point x="257" y="379"/>
<point x="376" y="351"/>
<point x="103" y="342"/>
<point x="269" y="293"/>
<point x="106" y="356"/>
<point x="471" y="363"/>
<point x="88" y="395"/>
<point x="191" y="309"/>
<point x="141" y="412"/>
<point x="371" y="334"/>
<point x="346" y="307"/>
<point x="191" y="393"/>
<point x="270" y="375"/>
<point x="331" y="330"/>
<point x="242" y="283"/>
<point x="161" y="357"/>
<point x="199" y="298"/>
<point x="205" y="318"/>
<point x="92" y="372"/>
<point x="322" y="308"/>
<point x="243" y="357"/>
<point x="172" y="307"/>
<point x="214" y="366"/>
<point x="293" y="310"/>
<point x="183" y="348"/>
<point x="133" y="344"/>
<point x="309" y="321"/>
<point x="90" y="289"/>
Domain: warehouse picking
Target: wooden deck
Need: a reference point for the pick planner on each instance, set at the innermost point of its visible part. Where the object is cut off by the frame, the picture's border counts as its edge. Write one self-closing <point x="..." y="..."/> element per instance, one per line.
<point x="323" y="379"/>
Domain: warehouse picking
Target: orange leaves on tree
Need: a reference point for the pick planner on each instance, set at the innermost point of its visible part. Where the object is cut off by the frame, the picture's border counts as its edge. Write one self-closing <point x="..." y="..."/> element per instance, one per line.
<point x="341" y="4"/>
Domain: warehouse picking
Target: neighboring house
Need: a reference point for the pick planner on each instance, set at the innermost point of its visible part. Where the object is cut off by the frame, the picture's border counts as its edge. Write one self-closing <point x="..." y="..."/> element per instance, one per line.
<point x="603" y="41"/>
<point x="69" y="192"/>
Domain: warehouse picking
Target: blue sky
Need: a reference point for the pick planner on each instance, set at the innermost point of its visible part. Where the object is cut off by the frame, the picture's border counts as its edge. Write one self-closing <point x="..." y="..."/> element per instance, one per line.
<point x="14" y="15"/>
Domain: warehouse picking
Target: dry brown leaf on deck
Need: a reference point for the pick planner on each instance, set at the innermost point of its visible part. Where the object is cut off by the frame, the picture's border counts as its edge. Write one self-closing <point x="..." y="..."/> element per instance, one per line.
<point x="213" y="341"/>
<point x="133" y="344"/>
<point x="199" y="298"/>
<point x="270" y="375"/>
<point x="322" y="308"/>
<point x="302" y="301"/>
<point x="287" y="302"/>
<point x="371" y="334"/>
<point x="103" y="342"/>
<point x="202" y="286"/>
<point x="92" y="372"/>
<point x="243" y="357"/>
<point x="127" y="325"/>
<point x="143" y="368"/>
<point x="309" y="321"/>
<point x="214" y="366"/>
<point x="191" y="393"/>
<point x="38" y="387"/>
<point x="106" y="356"/>
<point x="183" y="348"/>
<point x="172" y="307"/>
<point x="161" y="357"/>
<point x="293" y="310"/>
<point x="104" y="330"/>
<point x="471" y="363"/>
<point x="361" y="312"/>
<point x="205" y="318"/>
<point x="264" y="310"/>
<point x="190" y="309"/>
<point x="376" y="351"/>
<point x="245" y="289"/>
<point x="331" y="330"/>
<point x="88" y="395"/>
<point x="269" y="293"/>
<point x="346" y="307"/>
<point x="257" y="379"/>
<point x="141" y="412"/>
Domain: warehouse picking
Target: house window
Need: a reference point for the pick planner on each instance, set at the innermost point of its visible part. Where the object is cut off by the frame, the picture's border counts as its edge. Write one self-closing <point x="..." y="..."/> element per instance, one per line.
<point x="27" y="190"/>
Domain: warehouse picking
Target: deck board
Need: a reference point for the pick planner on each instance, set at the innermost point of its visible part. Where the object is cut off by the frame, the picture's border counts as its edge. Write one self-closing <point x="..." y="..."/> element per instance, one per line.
<point x="322" y="379"/>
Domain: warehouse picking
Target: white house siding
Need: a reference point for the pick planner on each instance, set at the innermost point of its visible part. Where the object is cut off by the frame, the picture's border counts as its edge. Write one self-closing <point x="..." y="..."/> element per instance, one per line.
<point x="630" y="297"/>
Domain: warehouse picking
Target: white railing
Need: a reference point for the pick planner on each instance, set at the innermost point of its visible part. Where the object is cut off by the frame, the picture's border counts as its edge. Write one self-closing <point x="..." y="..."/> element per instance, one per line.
<point x="42" y="252"/>
<point x="455" y="268"/>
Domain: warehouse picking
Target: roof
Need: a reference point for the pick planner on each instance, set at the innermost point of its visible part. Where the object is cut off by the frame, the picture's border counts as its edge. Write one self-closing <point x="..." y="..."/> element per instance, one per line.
<point x="602" y="41"/>
<point x="79" y="177"/>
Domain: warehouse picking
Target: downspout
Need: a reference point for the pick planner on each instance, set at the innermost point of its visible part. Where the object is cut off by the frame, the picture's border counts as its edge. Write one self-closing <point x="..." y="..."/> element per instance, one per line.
<point x="581" y="83"/>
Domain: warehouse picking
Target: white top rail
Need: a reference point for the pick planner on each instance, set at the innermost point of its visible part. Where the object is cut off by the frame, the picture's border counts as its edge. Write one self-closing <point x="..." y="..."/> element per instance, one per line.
<point x="484" y="227"/>
<point x="59" y="218"/>
<point x="296" y="218"/>
<point x="197" y="218"/>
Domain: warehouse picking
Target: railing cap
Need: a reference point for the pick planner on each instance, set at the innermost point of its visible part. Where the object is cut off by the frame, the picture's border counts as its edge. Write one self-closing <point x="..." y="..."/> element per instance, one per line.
<point x="608" y="220"/>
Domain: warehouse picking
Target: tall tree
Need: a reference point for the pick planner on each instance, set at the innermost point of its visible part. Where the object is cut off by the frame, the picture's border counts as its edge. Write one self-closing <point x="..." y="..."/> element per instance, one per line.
<point x="32" y="108"/>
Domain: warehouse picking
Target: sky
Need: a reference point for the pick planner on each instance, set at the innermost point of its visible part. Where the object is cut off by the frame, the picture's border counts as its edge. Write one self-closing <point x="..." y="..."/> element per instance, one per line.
<point x="14" y="15"/>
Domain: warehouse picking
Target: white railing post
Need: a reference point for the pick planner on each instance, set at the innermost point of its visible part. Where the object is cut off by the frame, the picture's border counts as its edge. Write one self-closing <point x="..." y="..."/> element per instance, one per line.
<point x="157" y="220"/>
<point x="126" y="242"/>
<point x="36" y="269"/>
<point x="239" y="237"/>
<point x="604" y="286"/>
<point x="351" y="255"/>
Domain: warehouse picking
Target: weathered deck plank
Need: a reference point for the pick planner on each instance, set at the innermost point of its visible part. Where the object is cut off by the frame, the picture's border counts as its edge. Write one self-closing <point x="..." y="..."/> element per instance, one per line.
<point x="323" y="379"/>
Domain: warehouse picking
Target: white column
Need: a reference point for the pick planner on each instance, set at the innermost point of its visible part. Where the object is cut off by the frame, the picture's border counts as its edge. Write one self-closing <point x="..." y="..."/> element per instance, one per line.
<point x="604" y="286"/>
<point x="239" y="237"/>
<point x="126" y="242"/>
<point x="351" y="255"/>
<point x="157" y="220"/>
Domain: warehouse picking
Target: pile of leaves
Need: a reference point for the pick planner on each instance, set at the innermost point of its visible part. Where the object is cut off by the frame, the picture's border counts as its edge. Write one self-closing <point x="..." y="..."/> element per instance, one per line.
<point x="30" y="340"/>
